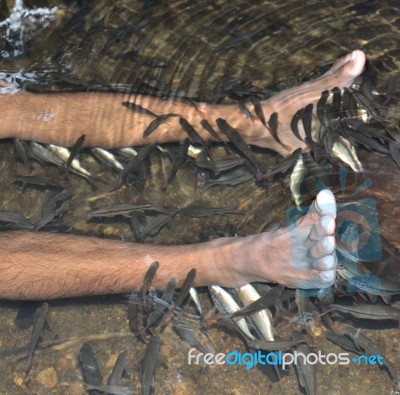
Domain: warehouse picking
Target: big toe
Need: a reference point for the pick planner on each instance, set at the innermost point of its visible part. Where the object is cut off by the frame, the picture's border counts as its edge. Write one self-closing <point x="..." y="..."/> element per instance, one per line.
<point x="325" y="203"/>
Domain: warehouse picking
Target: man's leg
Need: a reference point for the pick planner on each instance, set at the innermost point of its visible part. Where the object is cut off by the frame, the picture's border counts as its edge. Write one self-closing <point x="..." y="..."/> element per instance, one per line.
<point x="49" y="265"/>
<point x="63" y="118"/>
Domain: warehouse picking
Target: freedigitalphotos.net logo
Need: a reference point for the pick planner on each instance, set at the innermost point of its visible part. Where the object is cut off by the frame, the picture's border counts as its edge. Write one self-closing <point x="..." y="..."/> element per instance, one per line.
<point x="249" y="360"/>
<point x="357" y="228"/>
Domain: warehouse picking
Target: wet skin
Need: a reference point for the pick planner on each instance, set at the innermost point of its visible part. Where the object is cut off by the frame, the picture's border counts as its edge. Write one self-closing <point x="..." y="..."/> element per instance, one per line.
<point x="44" y="266"/>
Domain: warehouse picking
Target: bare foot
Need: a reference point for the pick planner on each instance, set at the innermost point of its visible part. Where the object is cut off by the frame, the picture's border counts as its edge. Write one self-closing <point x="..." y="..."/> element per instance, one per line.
<point x="286" y="103"/>
<point x="301" y="256"/>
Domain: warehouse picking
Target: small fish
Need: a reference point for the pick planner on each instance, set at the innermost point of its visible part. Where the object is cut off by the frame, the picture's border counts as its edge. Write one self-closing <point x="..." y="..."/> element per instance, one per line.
<point x="227" y="305"/>
<point x="336" y="102"/>
<point x="155" y="123"/>
<point x="196" y="299"/>
<point x="372" y="312"/>
<point x="149" y="364"/>
<point x="36" y="180"/>
<point x="107" y="157"/>
<point x="180" y="159"/>
<point x="138" y="109"/>
<point x="293" y="124"/>
<point x="127" y="151"/>
<point x="200" y="211"/>
<point x="17" y="219"/>
<point x="275" y="345"/>
<point x="26" y="314"/>
<point x="262" y="319"/>
<point x="259" y="110"/>
<point x="216" y="166"/>
<point x="186" y="333"/>
<point x="124" y="209"/>
<point x="306" y="118"/>
<point x="305" y="371"/>
<point x="235" y="138"/>
<point x="90" y="367"/>
<point x="40" y="321"/>
<point x="75" y="149"/>
<point x="343" y="150"/>
<point x="186" y="286"/>
<point x="296" y="178"/>
<point x="148" y="278"/>
<point x="349" y="104"/>
<point x="206" y="125"/>
<point x="192" y="133"/>
<point x="344" y="342"/>
<point x="245" y="110"/>
<point x="374" y="285"/>
<point x="159" y="310"/>
<point x="134" y="163"/>
<point x="322" y="109"/>
<point x="395" y="152"/>
<point x="135" y="225"/>
<point x="118" y="369"/>
<point x="273" y="127"/>
<point x="286" y="163"/>
<point x="112" y="389"/>
<point x="21" y="151"/>
<point x="45" y="155"/>
<point x="158" y="222"/>
<point x="232" y="177"/>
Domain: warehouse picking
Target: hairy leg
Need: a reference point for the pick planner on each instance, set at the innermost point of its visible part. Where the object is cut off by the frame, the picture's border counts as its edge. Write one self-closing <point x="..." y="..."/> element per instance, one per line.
<point x="47" y="265"/>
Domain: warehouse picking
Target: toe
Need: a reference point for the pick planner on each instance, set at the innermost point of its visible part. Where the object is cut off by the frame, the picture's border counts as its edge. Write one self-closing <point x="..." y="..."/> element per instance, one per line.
<point x="327" y="262"/>
<point x="325" y="203"/>
<point x="325" y="226"/>
<point x="323" y="247"/>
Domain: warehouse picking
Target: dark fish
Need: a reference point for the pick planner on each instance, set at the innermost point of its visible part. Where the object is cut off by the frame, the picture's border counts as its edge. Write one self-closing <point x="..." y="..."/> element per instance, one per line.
<point x="26" y="314"/>
<point x="133" y="164"/>
<point x="192" y="133"/>
<point x="258" y="110"/>
<point x="112" y="389"/>
<point x="17" y="219"/>
<point x="235" y="138"/>
<point x="158" y="222"/>
<point x="395" y="152"/>
<point x="216" y="166"/>
<point x="205" y="124"/>
<point x="52" y="207"/>
<point x="186" y="333"/>
<point x="294" y="122"/>
<point x="344" y="342"/>
<point x="149" y="364"/>
<point x="118" y="369"/>
<point x="75" y="149"/>
<point x="124" y="209"/>
<point x="148" y="278"/>
<point x="39" y="181"/>
<point x="349" y="104"/>
<point x="286" y="163"/>
<point x="321" y="109"/>
<point x="135" y="225"/>
<point x="187" y="284"/>
<point x="336" y="102"/>
<point x="200" y="211"/>
<point x="231" y="178"/>
<point x="180" y="159"/>
<point x="305" y="371"/>
<point x="40" y="320"/>
<point x="306" y="117"/>
<point x="138" y="109"/>
<point x="43" y="154"/>
<point x="245" y="110"/>
<point x="142" y="174"/>
<point x="159" y="310"/>
<point x="155" y="123"/>
<point x="374" y="285"/>
<point x="266" y="301"/>
<point x="368" y="104"/>
<point x="133" y="316"/>
<point x="371" y="312"/>
<point x="275" y="345"/>
<point x="370" y="348"/>
<point x="90" y="367"/>
<point x="20" y="149"/>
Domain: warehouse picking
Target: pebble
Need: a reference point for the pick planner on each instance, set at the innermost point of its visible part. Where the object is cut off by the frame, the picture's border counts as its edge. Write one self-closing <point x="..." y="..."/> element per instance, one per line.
<point x="47" y="378"/>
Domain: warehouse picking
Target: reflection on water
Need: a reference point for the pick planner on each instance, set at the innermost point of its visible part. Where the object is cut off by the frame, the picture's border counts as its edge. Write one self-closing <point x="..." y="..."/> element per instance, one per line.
<point x="193" y="49"/>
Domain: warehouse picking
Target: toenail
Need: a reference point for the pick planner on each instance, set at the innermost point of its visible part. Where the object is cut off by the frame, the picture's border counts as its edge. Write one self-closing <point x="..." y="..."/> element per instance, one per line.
<point x="328" y="243"/>
<point x="352" y="55"/>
